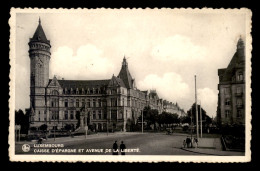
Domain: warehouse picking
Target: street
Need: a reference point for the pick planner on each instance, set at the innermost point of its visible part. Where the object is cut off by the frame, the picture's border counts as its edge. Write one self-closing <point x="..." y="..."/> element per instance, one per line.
<point x="136" y="143"/>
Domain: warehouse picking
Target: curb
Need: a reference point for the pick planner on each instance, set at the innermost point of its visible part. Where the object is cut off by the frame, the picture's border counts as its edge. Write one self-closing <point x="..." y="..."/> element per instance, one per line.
<point x="201" y="152"/>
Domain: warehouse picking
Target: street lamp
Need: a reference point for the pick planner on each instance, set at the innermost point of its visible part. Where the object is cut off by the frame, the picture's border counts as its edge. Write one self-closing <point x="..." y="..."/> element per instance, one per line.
<point x="142" y="121"/>
<point x="200" y="121"/>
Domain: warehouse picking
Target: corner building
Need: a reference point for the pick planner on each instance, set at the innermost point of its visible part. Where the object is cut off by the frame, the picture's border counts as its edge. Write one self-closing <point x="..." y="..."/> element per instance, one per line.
<point x="231" y="96"/>
<point x="114" y="102"/>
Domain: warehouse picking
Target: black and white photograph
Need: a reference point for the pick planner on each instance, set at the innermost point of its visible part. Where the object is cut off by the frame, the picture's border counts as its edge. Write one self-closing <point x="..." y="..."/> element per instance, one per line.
<point x="130" y="85"/>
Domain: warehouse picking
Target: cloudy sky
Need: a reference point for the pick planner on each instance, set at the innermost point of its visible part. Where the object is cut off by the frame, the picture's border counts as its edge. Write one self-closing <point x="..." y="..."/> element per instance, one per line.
<point x="164" y="49"/>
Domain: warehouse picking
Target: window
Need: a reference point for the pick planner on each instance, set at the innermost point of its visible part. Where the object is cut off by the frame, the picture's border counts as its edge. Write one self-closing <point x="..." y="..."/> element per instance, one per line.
<point x="77" y="102"/>
<point x="83" y="102"/>
<point x="71" y="102"/>
<point x="55" y="102"/>
<point x="45" y="112"/>
<point x="105" y="115"/>
<point x="226" y="90"/>
<point x="66" y="103"/>
<point x="123" y="102"/>
<point x="71" y="91"/>
<point x="227" y="113"/>
<point x="94" y="114"/>
<point x="77" y="91"/>
<point x="66" y="115"/>
<point x="39" y="119"/>
<point x="94" y="102"/>
<point x="239" y="102"/>
<point x="99" y="102"/>
<point x="88" y="102"/>
<point x="239" y="113"/>
<point x="71" y="114"/>
<point x="113" y="114"/>
<point x="240" y="76"/>
<point x="83" y="91"/>
<point x="39" y="112"/>
<point x="227" y="102"/>
<point x="114" y="102"/>
<point x="99" y="114"/>
<point x="239" y="90"/>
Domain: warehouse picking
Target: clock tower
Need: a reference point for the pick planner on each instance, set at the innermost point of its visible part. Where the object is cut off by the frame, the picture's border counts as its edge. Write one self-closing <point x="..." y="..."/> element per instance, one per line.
<point x="39" y="53"/>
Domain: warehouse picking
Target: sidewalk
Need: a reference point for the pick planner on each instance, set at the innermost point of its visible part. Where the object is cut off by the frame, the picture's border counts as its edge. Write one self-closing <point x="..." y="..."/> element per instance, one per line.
<point x="212" y="146"/>
<point x="78" y="138"/>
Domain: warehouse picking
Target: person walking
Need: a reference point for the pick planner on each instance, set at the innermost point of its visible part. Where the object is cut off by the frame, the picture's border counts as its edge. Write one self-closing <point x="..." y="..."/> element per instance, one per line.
<point x="122" y="148"/>
<point x="184" y="143"/>
<point x="115" y="148"/>
<point x="196" y="142"/>
<point x="188" y="141"/>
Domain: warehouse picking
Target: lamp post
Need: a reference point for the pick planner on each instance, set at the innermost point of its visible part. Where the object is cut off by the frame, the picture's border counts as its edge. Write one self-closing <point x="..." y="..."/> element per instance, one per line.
<point x="54" y="125"/>
<point x="200" y="121"/>
<point x="142" y="121"/>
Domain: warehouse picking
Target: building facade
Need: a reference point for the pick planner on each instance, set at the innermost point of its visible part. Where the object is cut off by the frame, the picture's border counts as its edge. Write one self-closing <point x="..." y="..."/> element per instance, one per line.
<point x="56" y="103"/>
<point x="231" y="96"/>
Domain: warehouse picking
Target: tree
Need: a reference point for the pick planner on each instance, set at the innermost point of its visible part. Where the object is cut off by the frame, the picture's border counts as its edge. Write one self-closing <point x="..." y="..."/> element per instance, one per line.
<point x="207" y="120"/>
<point x="150" y="116"/>
<point x="23" y="120"/>
<point x="43" y="127"/>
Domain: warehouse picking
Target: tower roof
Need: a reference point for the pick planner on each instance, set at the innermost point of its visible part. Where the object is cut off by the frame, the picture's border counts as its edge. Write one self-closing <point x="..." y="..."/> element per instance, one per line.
<point x="125" y="75"/>
<point x="39" y="34"/>
<point x="237" y="61"/>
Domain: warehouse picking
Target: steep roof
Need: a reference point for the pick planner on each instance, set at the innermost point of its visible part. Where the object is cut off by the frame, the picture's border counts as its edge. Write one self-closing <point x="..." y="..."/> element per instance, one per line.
<point x="237" y="61"/>
<point x="82" y="83"/>
<point x="117" y="81"/>
<point x="125" y="75"/>
<point x="39" y="34"/>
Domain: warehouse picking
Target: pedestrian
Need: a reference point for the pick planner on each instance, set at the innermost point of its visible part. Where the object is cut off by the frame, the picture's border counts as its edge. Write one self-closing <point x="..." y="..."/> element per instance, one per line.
<point x="188" y="141"/>
<point x="122" y="148"/>
<point x="184" y="143"/>
<point x="196" y="141"/>
<point x="115" y="148"/>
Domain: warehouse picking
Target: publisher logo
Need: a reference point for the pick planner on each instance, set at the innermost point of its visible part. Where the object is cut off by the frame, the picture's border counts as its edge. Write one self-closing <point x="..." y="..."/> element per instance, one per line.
<point x="26" y="147"/>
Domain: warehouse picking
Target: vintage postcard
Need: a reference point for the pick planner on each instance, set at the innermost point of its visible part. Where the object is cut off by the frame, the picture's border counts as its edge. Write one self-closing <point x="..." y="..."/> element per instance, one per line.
<point x="130" y="85"/>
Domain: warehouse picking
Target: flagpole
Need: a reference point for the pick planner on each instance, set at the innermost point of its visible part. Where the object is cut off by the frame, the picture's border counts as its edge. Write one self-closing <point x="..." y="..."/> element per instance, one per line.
<point x="197" y="121"/>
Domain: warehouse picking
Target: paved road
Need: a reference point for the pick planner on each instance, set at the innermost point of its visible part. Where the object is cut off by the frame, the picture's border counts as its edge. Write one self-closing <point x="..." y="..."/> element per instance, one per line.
<point x="141" y="144"/>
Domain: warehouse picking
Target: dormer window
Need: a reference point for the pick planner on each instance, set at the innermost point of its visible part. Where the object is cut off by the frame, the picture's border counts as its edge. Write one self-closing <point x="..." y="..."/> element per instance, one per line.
<point x="71" y="91"/>
<point x="94" y="91"/>
<point x="88" y="91"/>
<point x="83" y="91"/>
<point x="77" y="91"/>
<point x="240" y="76"/>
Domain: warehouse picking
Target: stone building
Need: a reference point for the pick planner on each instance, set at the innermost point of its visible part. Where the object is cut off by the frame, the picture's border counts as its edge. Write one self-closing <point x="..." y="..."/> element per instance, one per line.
<point x="173" y="108"/>
<point x="231" y="96"/>
<point x="115" y="102"/>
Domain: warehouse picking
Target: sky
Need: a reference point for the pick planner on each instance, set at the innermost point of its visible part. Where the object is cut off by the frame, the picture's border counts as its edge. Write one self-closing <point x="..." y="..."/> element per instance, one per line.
<point x="165" y="49"/>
